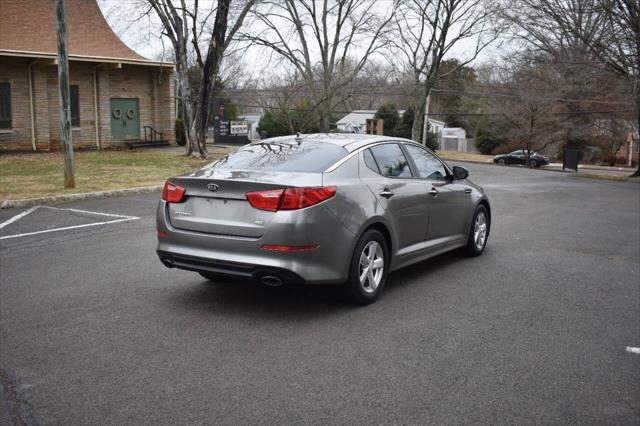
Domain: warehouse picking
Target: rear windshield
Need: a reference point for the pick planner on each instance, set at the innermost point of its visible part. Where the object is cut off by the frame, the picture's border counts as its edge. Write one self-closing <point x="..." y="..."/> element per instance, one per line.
<point x="290" y="156"/>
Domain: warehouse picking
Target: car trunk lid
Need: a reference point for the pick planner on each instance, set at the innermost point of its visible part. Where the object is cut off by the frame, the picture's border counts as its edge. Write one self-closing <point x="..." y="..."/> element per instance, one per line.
<point x="215" y="200"/>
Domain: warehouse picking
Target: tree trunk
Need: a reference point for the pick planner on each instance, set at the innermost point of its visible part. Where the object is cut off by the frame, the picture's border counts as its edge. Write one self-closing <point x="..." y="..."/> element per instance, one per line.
<point x="184" y="92"/>
<point x="637" y="172"/>
<point x="325" y="121"/>
<point x="418" y="122"/>
<point x="209" y="74"/>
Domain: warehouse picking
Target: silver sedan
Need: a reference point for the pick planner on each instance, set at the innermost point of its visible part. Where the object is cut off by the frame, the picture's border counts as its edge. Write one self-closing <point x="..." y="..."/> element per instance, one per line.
<point x="319" y="209"/>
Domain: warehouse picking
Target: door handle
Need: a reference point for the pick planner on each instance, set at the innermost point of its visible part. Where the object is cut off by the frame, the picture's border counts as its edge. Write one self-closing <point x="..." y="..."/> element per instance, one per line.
<point x="467" y="190"/>
<point x="433" y="192"/>
<point x="386" y="193"/>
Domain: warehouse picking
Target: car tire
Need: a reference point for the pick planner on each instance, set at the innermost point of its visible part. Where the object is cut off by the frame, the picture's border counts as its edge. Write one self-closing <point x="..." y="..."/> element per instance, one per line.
<point x="475" y="247"/>
<point x="369" y="251"/>
<point x="533" y="163"/>
<point x="501" y="162"/>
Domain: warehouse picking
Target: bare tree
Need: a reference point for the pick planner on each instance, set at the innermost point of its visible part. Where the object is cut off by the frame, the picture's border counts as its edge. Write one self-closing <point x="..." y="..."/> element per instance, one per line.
<point x="183" y="24"/>
<point x="327" y="43"/>
<point x="427" y="30"/>
<point x="527" y="113"/>
<point x="607" y="30"/>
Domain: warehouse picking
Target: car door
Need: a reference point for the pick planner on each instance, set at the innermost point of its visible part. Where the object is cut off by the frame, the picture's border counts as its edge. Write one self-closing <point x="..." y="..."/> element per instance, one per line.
<point x="517" y="157"/>
<point x="448" y="199"/>
<point x="388" y="174"/>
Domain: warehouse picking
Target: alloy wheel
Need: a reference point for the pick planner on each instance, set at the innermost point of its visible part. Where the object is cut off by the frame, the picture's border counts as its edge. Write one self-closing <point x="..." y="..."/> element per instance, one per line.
<point x="480" y="230"/>
<point x="371" y="266"/>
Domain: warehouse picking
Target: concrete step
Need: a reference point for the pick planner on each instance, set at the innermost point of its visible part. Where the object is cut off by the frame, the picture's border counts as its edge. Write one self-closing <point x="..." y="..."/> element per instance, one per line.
<point x="145" y="144"/>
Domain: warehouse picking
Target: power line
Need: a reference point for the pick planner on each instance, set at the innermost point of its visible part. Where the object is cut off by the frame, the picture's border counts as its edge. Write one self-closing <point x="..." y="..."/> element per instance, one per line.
<point x="466" y="93"/>
<point x="460" y="114"/>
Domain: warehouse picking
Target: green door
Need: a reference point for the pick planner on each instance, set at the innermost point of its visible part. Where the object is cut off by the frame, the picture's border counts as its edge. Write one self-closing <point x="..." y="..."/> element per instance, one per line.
<point x="125" y="121"/>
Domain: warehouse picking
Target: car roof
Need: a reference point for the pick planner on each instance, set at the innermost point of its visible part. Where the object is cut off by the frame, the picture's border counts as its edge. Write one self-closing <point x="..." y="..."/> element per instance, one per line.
<point x="349" y="141"/>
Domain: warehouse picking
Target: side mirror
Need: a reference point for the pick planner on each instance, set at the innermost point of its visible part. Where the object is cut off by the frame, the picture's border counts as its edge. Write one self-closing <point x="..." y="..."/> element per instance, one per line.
<point x="460" y="173"/>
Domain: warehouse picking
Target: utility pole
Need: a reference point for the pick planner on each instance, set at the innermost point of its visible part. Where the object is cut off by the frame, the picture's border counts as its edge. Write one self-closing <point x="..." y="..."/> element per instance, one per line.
<point x="63" y="88"/>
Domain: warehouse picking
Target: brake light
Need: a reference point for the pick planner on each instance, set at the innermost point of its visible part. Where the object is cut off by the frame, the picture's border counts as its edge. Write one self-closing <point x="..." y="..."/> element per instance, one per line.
<point x="299" y="198"/>
<point x="265" y="200"/>
<point x="290" y="198"/>
<point x="173" y="193"/>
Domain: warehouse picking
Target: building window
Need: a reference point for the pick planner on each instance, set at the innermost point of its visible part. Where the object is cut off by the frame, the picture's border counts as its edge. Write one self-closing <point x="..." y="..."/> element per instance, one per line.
<point x="5" y="106"/>
<point x="75" y="105"/>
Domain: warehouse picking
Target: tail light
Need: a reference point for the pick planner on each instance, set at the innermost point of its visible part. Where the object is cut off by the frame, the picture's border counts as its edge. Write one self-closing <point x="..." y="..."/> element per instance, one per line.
<point x="265" y="200"/>
<point x="290" y="198"/>
<point x="173" y="193"/>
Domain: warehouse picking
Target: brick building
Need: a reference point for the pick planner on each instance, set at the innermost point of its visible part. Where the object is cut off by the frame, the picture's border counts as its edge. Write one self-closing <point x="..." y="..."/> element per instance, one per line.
<point x="116" y="94"/>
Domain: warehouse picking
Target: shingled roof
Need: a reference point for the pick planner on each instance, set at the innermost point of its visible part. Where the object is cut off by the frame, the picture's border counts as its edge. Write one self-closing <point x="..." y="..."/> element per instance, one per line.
<point x="29" y="27"/>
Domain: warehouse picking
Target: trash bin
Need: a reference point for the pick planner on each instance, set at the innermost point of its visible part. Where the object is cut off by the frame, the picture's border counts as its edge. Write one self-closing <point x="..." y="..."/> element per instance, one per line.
<point x="570" y="159"/>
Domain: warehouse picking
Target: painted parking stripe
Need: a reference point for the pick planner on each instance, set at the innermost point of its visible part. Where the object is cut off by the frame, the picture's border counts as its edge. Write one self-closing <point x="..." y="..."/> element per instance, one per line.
<point x="120" y="218"/>
<point x="633" y="350"/>
<point x="89" y="212"/>
<point x="18" y="217"/>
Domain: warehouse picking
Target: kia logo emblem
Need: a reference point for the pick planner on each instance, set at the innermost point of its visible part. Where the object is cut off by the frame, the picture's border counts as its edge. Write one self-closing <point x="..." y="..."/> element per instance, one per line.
<point x="213" y="187"/>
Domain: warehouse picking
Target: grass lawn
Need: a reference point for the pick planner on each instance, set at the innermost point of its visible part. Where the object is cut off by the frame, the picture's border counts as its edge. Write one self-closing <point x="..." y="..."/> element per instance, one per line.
<point x="41" y="174"/>
<point x="606" y="176"/>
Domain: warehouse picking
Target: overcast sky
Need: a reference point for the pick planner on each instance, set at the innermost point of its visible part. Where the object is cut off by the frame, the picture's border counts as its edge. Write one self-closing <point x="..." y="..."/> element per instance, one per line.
<point x="140" y="34"/>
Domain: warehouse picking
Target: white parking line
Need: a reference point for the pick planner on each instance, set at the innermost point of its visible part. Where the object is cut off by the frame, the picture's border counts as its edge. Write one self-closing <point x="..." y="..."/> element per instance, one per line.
<point x="121" y="218"/>
<point x="633" y="350"/>
<point x="17" y="217"/>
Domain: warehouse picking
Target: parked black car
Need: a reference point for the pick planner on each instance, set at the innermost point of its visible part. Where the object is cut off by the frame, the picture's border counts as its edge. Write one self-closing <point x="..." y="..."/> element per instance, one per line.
<point x="520" y="157"/>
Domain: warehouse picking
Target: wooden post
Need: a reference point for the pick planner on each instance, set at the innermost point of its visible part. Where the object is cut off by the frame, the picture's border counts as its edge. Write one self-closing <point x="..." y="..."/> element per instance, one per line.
<point x="63" y="88"/>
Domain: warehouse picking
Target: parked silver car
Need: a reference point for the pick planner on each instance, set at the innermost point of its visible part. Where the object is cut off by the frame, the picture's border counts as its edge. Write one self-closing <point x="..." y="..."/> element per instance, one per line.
<point x="320" y="208"/>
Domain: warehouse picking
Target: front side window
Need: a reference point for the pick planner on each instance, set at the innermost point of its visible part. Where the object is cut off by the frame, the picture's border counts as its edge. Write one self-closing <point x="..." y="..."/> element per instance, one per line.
<point x="429" y="167"/>
<point x="5" y="106"/>
<point x="308" y="155"/>
<point x="391" y="160"/>
<point x="75" y="105"/>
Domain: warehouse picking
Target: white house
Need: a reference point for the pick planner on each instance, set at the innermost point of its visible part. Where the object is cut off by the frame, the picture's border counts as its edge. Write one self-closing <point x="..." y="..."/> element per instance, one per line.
<point x="455" y="139"/>
<point x="354" y="122"/>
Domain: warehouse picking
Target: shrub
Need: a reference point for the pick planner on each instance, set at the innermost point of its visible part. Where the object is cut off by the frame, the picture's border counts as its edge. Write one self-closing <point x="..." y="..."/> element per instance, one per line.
<point x="180" y="136"/>
<point x="389" y="113"/>
<point x="431" y="141"/>
<point x="613" y="160"/>
<point x="487" y="142"/>
<point x="403" y="129"/>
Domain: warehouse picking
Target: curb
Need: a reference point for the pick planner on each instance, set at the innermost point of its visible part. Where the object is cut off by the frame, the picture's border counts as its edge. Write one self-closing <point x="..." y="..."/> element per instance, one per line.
<point x="466" y="161"/>
<point x="56" y="199"/>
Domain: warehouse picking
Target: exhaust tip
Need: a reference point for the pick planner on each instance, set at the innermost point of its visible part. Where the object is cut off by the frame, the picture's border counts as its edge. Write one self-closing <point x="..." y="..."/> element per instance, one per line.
<point x="167" y="262"/>
<point x="271" y="281"/>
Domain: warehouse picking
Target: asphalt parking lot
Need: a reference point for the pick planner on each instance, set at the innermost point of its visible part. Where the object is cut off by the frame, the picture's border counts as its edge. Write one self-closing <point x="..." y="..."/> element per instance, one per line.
<point x="94" y="330"/>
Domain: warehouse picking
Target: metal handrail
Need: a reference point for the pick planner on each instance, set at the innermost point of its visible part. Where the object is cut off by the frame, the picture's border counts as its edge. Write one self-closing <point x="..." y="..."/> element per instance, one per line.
<point x="152" y="134"/>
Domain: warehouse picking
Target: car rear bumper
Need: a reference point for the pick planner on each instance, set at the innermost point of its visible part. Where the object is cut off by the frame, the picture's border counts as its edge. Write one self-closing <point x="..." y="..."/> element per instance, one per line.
<point x="224" y="269"/>
<point x="244" y="258"/>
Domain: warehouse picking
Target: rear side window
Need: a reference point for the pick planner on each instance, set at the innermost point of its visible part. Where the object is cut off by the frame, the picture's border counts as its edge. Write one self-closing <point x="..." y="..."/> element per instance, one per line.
<point x="391" y="160"/>
<point x="370" y="161"/>
<point x="290" y="156"/>
<point x="429" y="167"/>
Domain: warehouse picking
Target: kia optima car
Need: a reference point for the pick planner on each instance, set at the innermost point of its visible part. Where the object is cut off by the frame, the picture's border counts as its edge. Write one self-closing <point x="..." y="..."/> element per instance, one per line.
<point x="319" y="209"/>
<point x="520" y="157"/>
